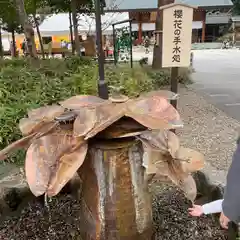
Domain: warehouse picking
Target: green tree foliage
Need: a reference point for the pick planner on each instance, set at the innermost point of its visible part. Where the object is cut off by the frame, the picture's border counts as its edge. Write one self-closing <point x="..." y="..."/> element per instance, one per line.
<point x="236" y="9"/>
<point x="14" y="19"/>
<point x="9" y="17"/>
<point x="10" y="21"/>
<point x="65" y="5"/>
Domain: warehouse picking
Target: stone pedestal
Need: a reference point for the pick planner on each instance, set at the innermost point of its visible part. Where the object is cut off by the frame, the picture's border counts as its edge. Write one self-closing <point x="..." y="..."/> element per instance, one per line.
<point x="116" y="204"/>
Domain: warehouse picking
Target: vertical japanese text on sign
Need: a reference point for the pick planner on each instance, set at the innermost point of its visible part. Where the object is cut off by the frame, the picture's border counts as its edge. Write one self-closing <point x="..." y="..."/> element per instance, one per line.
<point x="178" y="15"/>
<point x="177" y="35"/>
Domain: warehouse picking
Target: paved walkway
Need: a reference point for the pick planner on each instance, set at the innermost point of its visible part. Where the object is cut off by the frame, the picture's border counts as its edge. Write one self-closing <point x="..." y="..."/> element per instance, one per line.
<point x="217" y="76"/>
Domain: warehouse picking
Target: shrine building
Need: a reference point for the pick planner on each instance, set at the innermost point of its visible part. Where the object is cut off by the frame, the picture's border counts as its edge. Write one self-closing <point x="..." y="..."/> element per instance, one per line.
<point x="211" y="19"/>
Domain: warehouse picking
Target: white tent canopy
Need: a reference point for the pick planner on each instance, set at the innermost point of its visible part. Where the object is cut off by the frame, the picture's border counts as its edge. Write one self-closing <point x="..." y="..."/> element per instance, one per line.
<point x="151" y="26"/>
<point x="59" y="24"/>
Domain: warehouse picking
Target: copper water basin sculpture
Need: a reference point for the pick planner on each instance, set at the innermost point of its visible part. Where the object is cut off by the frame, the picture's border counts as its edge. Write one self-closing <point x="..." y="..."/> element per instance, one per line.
<point x="116" y="146"/>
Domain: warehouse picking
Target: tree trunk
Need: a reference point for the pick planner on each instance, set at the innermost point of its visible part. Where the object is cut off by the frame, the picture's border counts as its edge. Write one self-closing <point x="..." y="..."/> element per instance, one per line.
<point x="39" y="36"/>
<point x="28" y="29"/>
<point x="13" y="47"/>
<point x="1" y="44"/>
<point x="116" y="203"/>
<point x="157" y="52"/>
<point x="71" y="32"/>
<point x="75" y="26"/>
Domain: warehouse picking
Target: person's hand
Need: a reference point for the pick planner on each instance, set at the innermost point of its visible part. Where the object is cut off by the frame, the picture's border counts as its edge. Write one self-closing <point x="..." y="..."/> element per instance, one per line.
<point x="224" y="221"/>
<point x="196" y="211"/>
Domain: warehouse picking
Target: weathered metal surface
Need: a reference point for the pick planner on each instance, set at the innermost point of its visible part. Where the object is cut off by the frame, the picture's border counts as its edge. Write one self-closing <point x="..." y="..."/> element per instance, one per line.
<point x="37" y="118"/>
<point x="164" y="156"/>
<point x="47" y="113"/>
<point x="25" y="142"/>
<point x="27" y="125"/>
<point x="66" y="167"/>
<point x="78" y="102"/>
<point x="84" y="122"/>
<point x="48" y="156"/>
<point x="154" y="113"/>
<point x="57" y="138"/>
<point x="116" y="96"/>
<point x="188" y="186"/>
<point x="124" y="127"/>
<point x="116" y="203"/>
<point x="192" y="160"/>
<point x="164" y="141"/>
<point x="66" y="117"/>
<point x="106" y="116"/>
<point x="162" y="93"/>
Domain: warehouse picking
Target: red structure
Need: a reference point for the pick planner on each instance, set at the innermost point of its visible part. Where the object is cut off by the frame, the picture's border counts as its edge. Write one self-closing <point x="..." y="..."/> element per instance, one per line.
<point x="141" y="18"/>
<point x="144" y="12"/>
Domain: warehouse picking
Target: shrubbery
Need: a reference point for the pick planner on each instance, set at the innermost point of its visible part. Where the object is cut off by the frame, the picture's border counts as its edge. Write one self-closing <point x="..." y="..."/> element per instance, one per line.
<point x="25" y="85"/>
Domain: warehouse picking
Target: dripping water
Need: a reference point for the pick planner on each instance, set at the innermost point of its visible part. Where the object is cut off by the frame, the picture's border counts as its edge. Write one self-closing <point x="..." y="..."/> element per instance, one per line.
<point x="47" y="200"/>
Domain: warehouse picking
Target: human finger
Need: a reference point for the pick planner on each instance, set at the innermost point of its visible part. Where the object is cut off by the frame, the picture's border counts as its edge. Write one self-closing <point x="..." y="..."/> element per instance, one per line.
<point x="224" y="224"/>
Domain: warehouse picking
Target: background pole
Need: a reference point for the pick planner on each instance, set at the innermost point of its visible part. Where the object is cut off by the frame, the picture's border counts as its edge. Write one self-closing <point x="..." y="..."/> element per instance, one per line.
<point x="102" y="86"/>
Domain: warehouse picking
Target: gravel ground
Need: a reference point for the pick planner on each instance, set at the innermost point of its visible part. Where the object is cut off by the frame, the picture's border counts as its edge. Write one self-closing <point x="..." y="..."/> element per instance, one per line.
<point x="35" y="223"/>
<point x="171" y="220"/>
<point x="207" y="129"/>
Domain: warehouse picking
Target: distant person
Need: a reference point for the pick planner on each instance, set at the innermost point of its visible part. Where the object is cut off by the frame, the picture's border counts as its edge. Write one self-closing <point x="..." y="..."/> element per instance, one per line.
<point x="107" y="46"/>
<point x="63" y="44"/>
<point x="24" y="46"/>
<point x="147" y="44"/>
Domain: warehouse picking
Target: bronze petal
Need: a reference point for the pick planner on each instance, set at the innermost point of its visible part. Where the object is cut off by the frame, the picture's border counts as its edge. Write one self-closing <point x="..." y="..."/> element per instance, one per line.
<point x="172" y="169"/>
<point x="150" y="122"/>
<point x="68" y="165"/>
<point x="27" y="125"/>
<point x="164" y="141"/>
<point x="21" y="143"/>
<point x="154" y="161"/>
<point x="173" y="143"/>
<point x="77" y="102"/>
<point x="190" y="159"/>
<point x="124" y="127"/>
<point x="154" y="113"/>
<point x="42" y="159"/>
<point x="24" y="142"/>
<point x="84" y="122"/>
<point x="150" y="168"/>
<point x="188" y="186"/>
<point x="47" y="113"/>
<point x="162" y="93"/>
<point x="106" y="116"/>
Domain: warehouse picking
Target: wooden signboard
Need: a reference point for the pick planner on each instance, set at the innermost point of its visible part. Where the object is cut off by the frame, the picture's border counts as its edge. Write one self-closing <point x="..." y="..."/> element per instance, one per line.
<point x="177" y="35"/>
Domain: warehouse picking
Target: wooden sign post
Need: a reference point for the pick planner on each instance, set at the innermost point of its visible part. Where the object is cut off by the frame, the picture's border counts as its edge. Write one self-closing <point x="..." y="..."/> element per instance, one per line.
<point x="177" y="40"/>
